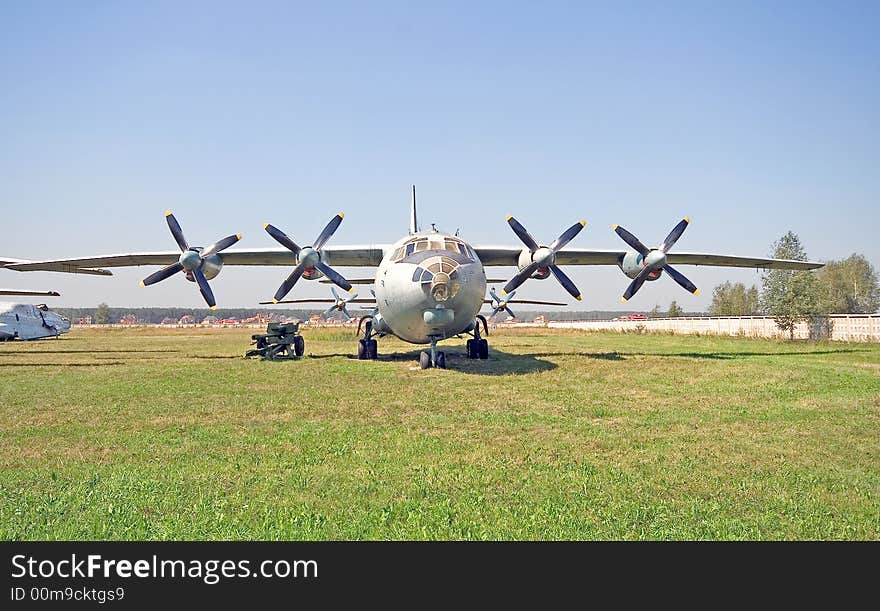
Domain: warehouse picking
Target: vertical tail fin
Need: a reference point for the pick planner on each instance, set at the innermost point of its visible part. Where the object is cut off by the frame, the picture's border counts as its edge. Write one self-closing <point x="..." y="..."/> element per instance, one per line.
<point x="413" y="218"/>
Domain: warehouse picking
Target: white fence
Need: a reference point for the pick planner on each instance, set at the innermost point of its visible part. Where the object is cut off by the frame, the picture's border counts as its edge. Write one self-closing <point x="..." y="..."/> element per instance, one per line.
<point x="844" y="327"/>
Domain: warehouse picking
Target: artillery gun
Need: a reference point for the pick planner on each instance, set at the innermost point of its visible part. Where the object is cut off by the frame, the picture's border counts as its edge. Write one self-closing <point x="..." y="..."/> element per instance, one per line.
<point x="281" y="341"/>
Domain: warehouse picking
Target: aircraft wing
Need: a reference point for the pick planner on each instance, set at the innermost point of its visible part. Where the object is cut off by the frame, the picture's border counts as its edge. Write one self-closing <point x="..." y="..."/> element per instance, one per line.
<point x="33" y="293"/>
<point x="342" y="256"/>
<point x="507" y="256"/>
<point x="7" y="262"/>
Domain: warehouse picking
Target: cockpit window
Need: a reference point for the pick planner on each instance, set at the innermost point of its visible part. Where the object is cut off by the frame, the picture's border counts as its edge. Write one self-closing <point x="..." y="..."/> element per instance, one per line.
<point x="433" y="243"/>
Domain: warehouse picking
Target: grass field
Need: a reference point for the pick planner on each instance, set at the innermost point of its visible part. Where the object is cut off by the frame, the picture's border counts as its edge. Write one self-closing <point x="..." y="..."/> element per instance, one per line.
<point x="170" y="434"/>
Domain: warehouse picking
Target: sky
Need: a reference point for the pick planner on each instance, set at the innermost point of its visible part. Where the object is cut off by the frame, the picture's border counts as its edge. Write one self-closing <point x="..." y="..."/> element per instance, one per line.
<point x="751" y="118"/>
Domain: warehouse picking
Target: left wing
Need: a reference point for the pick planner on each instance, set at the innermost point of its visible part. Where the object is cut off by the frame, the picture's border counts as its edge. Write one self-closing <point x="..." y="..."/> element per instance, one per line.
<point x="33" y="293"/>
<point x="343" y="256"/>
<point x="508" y="256"/>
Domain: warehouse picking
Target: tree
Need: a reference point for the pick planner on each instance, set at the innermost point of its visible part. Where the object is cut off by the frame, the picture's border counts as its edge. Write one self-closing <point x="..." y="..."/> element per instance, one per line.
<point x="730" y="299"/>
<point x="674" y="310"/>
<point x="790" y="296"/>
<point x="102" y="314"/>
<point x="655" y="312"/>
<point x="849" y="286"/>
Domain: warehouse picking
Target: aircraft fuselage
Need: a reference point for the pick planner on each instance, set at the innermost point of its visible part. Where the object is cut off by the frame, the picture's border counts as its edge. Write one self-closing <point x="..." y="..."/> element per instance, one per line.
<point x="27" y="321"/>
<point x="428" y="286"/>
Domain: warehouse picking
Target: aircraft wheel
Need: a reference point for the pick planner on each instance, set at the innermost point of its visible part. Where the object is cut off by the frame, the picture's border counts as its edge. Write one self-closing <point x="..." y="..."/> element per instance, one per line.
<point x="484" y="349"/>
<point x="441" y="360"/>
<point x="299" y="345"/>
<point x="425" y="360"/>
<point x="362" y="350"/>
<point x="372" y="349"/>
<point x="472" y="351"/>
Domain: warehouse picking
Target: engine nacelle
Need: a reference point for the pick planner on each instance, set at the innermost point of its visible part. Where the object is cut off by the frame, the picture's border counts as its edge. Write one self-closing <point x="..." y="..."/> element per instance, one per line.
<point x="211" y="267"/>
<point x="525" y="258"/>
<point x="632" y="263"/>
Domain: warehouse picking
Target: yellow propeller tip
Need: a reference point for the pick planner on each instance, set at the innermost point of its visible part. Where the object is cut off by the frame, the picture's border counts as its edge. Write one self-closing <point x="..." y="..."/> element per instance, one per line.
<point x="265" y="225"/>
<point x="503" y="292"/>
<point x="341" y="215"/>
<point x="168" y="213"/>
<point x="697" y="292"/>
<point x="583" y="223"/>
<point x="508" y="217"/>
<point x="614" y="227"/>
<point x="623" y="300"/>
<point x="142" y="283"/>
<point x="238" y="235"/>
<point x="213" y="307"/>
<point x="579" y="298"/>
<point x="687" y="219"/>
<point x="351" y="290"/>
<point x="274" y="300"/>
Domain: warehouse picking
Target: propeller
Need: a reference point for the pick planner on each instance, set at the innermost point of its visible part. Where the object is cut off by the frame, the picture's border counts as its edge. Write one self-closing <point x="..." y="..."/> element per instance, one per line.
<point x="191" y="261"/>
<point x="339" y="305"/>
<point x="543" y="257"/>
<point x="655" y="260"/>
<point x="308" y="258"/>
<point x="501" y="304"/>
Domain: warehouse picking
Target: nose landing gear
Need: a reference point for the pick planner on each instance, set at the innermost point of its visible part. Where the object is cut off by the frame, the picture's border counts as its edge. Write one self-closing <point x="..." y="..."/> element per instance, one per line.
<point x="434" y="358"/>
<point x="478" y="348"/>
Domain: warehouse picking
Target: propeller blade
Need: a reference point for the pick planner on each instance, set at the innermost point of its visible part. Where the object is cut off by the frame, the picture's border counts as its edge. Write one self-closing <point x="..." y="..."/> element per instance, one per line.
<point x="352" y="298"/>
<point x="205" y="288"/>
<point x="632" y="240"/>
<point x="567" y="236"/>
<point x="636" y="284"/>
<point x="318" y="300"/>
<point x="335" y="294"/>
<point x="285" y="287"/>
<point x="334" y="276"/>
<point x="520" y="277"/>
<point x="566" y="282"/>
<point x="176" y="231"/>
<point x="329" y="230"/>
<point x="220" y="245"/>
<point x="510" y="312"/>
<point x="680" y="278"/>
<point x="329" y="311"/>
<point x="345" y="312"/>
<point x="522" y="234"/>
<point x="673" y="236"/>
<point x="165" y="272"/>
<point x="494" y="295"/>
<point x="282" y="238"/>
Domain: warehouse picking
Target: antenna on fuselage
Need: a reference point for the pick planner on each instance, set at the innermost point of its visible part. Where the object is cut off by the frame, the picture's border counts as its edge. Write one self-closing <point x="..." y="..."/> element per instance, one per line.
<point x="413" y="218"/>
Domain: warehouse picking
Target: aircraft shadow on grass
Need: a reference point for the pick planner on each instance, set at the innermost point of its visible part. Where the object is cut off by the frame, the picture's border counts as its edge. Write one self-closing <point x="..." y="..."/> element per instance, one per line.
<point x="747" y="354"/>
<point x="499" y="363"/>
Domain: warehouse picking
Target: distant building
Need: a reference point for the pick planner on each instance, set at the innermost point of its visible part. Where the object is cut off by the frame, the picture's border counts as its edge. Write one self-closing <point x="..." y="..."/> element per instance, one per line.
<point x="130" y="319"/>
<point x="539" y="319"/>
<point x="209" y="320"/>
<point x="84" y="320"/>
<point x="187" y="319"/>
<point x="168" y="321"/>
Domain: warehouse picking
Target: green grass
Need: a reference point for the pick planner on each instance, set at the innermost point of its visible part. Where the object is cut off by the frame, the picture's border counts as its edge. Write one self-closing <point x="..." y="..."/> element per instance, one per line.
<point x="152" y="434"/>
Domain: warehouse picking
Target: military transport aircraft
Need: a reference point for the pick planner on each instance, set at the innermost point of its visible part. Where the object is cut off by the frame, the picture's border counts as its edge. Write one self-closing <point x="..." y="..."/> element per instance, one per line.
<point x="429" y="285"/>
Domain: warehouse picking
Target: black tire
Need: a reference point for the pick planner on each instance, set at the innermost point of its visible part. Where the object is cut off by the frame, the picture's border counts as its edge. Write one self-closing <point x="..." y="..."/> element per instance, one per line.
<point x="425" y="360"/>
<point x="362" y="350"/>
<point x="471" y="351"/>
<point x="484" y="349"/>
<point x="372" y="349"/>
<point x="299" y="345"/>
<point x="441" y="360"/>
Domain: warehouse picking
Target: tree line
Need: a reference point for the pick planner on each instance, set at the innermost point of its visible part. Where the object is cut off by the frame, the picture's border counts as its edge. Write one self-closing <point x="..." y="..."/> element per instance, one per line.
<point x="849" y="286"/>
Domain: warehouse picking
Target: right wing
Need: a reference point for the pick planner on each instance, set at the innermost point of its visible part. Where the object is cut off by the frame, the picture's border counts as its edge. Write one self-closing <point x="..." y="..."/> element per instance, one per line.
<point x="343" y="256"/>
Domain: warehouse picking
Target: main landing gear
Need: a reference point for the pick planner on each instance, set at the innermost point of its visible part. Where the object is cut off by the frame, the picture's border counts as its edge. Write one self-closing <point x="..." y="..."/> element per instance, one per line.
<point x="478" y="348"/>
<point x="368" y="348"/>
<point x="434" y="358"/>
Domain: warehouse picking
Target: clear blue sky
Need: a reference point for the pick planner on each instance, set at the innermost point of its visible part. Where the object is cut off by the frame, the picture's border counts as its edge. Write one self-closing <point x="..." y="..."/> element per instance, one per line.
<point x="753" y="119"/>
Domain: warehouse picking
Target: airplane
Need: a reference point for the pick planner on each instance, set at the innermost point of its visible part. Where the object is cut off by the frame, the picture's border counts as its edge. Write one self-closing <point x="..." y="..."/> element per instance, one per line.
<point x="429" y="285"/>
<point x="26" y="321"/>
